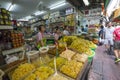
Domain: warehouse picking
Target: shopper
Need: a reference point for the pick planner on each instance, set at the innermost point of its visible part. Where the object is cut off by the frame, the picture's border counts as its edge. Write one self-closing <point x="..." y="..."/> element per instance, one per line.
<point x="66" y="31"/>
<point x="86" y="28"/>
<point x="57" y="34"/>
<point x="40" y="37"/>
<point x="101" y="35"/>
<point x="117" y="44"/>
<point x="109" y="37"/>
<point x="82" y="28"/>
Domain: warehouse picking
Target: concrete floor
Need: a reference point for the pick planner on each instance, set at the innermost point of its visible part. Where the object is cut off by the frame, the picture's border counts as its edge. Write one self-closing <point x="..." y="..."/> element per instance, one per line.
<point x="103" y="67"/>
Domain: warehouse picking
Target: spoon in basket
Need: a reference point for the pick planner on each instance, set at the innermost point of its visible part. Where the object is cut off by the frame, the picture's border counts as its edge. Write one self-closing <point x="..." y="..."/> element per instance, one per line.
<point x="55" y="67"/>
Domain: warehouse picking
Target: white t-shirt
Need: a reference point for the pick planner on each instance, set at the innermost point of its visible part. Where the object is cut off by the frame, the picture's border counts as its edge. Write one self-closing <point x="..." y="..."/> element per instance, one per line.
<point x="109" y="32"/>
<point x="65" y="32"/>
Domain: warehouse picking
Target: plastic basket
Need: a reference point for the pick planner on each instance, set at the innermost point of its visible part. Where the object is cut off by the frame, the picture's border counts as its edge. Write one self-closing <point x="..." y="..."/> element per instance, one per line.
<point x="91" y="56"/>
<point x="1" y="74"/>
<point x="93" y="49"/>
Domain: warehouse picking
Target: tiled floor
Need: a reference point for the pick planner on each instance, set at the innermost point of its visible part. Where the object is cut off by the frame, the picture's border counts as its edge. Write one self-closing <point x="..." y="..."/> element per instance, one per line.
<point x="103" y="67"/>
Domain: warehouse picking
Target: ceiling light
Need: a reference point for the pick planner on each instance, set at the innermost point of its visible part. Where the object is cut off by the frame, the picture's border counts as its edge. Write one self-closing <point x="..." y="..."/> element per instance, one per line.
<point x="39" y="13"/>
<point x="9" y="4"/>
<point x="57" y="5"/>
<point x="27" y="18"/>
<point x="86" y="2"/>
<point x="11" y="8"/>
<point x="22" y="20"/>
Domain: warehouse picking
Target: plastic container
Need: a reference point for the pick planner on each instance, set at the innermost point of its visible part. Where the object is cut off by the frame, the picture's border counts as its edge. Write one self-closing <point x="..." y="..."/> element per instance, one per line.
<point x="44" y="49"/>
<point x="91" y="56"/>
<point x="32" y="56"/>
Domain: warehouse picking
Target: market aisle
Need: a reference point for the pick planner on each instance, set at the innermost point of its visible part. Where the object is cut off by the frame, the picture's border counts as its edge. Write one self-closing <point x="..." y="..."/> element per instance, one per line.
<point x="103" y="67"/>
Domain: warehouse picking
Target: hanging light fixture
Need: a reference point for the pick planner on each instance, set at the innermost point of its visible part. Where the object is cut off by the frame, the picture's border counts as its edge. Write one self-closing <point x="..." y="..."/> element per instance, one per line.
<point x="57" y="5"/>
<point x="39" y="13"/>
<point x="86" y="2"/>
<point x="11" y="7"/>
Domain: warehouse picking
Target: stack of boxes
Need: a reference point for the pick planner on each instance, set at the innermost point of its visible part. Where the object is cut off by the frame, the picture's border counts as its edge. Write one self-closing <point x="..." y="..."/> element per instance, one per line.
<point x="17" y="39"/>
<point x="5" y="17"/>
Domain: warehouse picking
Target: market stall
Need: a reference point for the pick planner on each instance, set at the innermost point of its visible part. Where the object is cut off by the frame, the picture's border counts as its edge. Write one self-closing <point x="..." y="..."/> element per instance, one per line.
<point x="61" y="60"/>
<point x="69" y="58"/>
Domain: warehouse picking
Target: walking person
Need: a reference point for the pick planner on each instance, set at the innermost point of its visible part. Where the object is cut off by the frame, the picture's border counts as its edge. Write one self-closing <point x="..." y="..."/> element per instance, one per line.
<point x="101" y="35"/>
<point x="109" y="38"/>
<point x="117" y="44"/>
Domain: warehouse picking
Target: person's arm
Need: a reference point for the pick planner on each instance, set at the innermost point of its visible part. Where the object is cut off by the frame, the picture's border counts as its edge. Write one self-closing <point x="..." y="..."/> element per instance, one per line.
<point x="56" y="37"/>
<point x="114" y="35"/>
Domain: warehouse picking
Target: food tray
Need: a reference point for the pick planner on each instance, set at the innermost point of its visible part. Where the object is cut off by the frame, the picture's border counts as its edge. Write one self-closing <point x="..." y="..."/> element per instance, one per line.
<point x="58" y="68"/>
<point x="68" y="57"/>
<point x="82" y="58"/>
<point x="9" y="68"/>
<point x="33" y="72"/>
<point x="81" y="72"/>
<point x="10" y="74"/>
<point x="69" y="78"/>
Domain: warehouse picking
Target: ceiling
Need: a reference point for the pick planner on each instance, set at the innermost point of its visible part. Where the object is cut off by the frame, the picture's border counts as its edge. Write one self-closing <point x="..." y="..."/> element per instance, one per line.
<point x="25" y="8"/>
<point x="81" y="6"/>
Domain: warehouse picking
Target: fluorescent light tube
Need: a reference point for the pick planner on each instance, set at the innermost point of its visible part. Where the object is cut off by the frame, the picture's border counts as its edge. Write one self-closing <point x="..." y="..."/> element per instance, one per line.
<point x="9" y="4"/>
<point x="11" y="8"/>
<point x="28" y="17"/>
<point x="86" y="2"/>
<point x="22" y="20"/>
<point x="60" y="5"/>
<point x="39" y="13"/>
<point x="57" y="5"/>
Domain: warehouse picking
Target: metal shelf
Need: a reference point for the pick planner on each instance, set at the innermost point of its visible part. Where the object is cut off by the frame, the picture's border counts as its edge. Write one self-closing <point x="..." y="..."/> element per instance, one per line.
<point x="5" y="27"/>
<point x="6" y="52"/>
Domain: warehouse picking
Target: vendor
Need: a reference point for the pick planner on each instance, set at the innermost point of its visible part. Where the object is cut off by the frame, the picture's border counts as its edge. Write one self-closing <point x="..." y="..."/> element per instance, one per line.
<point x="57" y="34"/>
<point x="66" y="31"/>
<point x="40" y="37"/>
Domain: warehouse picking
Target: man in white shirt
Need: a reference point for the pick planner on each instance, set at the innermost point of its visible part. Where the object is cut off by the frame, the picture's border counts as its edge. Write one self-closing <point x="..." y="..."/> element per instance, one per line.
<point x="108" y="35"/>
